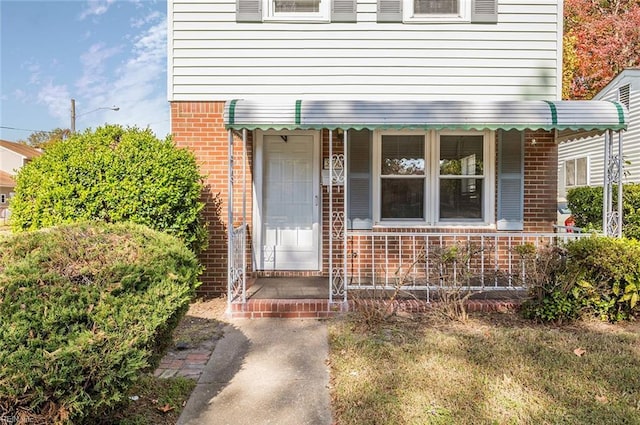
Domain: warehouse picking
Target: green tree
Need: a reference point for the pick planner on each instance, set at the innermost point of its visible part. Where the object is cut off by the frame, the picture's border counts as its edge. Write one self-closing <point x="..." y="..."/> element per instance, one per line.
<point x="113" y="174"/>
<point x="44" y="139"/>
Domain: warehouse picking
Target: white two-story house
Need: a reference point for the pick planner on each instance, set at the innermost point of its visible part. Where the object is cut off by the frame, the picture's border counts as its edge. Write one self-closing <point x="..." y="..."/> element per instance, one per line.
<point x="356" y="140"/>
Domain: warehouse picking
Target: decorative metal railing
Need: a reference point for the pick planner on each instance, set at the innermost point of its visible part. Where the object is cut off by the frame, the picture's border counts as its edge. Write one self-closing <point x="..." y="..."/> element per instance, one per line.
<point x="238" y="265"/>
<point x="432" y="261"/>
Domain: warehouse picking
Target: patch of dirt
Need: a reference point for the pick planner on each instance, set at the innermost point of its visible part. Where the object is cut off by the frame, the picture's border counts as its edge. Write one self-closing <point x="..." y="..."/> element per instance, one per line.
<point x="202" y="323"/>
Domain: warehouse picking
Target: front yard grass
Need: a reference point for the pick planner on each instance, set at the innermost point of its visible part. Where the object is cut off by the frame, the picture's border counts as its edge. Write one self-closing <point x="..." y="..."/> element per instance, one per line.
<point x="494" y="369"/>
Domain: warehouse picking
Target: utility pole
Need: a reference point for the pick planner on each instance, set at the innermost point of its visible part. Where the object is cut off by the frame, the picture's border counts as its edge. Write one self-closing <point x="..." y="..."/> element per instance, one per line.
<point x="73" y="113"/>
<point x="73" y="116"/>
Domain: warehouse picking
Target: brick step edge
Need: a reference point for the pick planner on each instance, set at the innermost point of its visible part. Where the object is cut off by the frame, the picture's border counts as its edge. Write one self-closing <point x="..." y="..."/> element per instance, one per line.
<point x="312" y="308"/>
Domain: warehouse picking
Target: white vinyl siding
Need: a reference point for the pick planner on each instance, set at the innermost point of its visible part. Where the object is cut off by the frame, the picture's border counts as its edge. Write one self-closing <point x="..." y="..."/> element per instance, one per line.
<point x="213" y="57"/>
<point x="593" y="147"/>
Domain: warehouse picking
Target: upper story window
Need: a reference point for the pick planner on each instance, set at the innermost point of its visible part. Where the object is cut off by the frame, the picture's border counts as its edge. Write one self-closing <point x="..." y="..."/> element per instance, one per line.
<point x="297" y="10"/>
<point x="388" y="11"/>
<point x="437" y="10"/>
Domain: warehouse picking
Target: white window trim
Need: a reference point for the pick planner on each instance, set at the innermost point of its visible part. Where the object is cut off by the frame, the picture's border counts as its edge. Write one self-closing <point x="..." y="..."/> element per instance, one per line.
<point x="575" y="171"/>
<point x="464" y="14"/>
<point x="269" y="15"/>
<point x="488" y="153"/>
<point x="432" y="182"/>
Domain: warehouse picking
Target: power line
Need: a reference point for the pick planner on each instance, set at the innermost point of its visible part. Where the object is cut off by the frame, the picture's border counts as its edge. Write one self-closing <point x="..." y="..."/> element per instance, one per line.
<point x="26" y="129"/>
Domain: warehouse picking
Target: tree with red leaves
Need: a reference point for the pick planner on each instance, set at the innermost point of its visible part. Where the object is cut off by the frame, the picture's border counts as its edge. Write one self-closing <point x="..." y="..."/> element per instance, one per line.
<point x="601" y="38"/>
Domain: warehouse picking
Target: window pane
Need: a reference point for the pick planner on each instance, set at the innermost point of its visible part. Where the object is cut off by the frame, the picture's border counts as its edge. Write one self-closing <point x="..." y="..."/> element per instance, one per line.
<point x="402" y="198"/>
<point x="570" y="173"/>
<point x="292" y="6"/>
<point x="460" y="198"/>
<point x="402" y="155"/>
<point x="421" y="7"/>
<point x="581" y="171"/>
<point x="461" y="155"/>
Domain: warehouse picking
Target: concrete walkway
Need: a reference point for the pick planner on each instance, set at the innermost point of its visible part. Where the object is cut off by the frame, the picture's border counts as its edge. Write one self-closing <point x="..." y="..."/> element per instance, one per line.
<point x="266" y="371"/>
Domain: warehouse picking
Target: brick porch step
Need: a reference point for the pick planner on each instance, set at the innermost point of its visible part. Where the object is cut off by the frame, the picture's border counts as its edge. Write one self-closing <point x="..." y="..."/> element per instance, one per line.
<point x="315" y="308"/>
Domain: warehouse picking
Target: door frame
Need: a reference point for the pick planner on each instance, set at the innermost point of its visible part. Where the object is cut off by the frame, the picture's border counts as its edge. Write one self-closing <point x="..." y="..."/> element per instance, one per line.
<point x="258" y="181"/>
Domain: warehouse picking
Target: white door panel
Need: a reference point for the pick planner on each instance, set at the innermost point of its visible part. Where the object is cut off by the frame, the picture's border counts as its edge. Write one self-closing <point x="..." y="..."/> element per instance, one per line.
<point x="290" y="217"/>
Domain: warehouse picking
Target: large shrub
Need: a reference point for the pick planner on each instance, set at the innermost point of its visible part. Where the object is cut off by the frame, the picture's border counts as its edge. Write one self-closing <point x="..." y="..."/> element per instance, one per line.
<point x="84" y="308"/>
<point x="586" y="206"/>
<point x="114" y="175"/>
<point x="599" y="276"/>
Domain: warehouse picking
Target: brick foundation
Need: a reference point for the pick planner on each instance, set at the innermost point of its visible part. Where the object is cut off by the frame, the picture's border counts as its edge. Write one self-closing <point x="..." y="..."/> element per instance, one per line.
<point x="257" y="309"/>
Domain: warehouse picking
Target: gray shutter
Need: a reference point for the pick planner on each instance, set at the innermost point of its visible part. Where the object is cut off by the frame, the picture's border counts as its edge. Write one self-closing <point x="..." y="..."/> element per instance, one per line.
<point x="510" y="180"/>
<point x="484" y="11"/>
<point x="389" y="10"/>
<point x="359" y="179"/>
<point x="343" y="11"/>
<point x="249" y="10"/>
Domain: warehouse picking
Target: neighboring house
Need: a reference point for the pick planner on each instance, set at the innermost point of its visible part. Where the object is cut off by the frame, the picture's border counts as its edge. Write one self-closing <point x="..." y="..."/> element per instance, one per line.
<point x="13" y="156"/>
<point x="437" y="120"/>
<point x="581" y="162"/>
<point x="6" y="189"/>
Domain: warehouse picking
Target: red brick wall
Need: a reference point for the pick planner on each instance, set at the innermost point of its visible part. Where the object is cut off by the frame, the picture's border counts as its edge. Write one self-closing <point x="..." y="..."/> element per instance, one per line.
<point x="540" y="181"/>
<point x="199" y="126"/>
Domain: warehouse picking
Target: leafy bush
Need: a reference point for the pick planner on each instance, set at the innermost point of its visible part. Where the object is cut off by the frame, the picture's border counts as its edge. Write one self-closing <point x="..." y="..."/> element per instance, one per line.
<point x="114" y="175"/>
<point x="607" y="271"/>
<point x="586" y="206"/>
<point x="84" y="308"/>
<point x="601" y="276"/>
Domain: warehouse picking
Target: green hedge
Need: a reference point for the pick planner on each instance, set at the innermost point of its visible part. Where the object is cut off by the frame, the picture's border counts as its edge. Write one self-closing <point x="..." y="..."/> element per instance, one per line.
<point x="113" y="174"/>
<point x="586" y="206"/>
<point x="599" y="276"/>
<point x="84" y="309"/>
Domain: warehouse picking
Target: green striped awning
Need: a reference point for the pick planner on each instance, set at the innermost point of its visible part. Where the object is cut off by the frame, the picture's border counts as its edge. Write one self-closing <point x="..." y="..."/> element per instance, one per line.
<point x="567" y="117"/>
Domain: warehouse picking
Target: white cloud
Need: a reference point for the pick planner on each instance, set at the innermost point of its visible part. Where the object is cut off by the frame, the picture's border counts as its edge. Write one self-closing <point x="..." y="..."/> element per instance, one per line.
<point x="140" y="22"/>
<point x="96" y="8"/>
<point x="138" y="85"/>
<point x="55" y="98"/>
<point x="33" y="69"/>
<point x="93" y="80"/>
<point x="19" y="94"/>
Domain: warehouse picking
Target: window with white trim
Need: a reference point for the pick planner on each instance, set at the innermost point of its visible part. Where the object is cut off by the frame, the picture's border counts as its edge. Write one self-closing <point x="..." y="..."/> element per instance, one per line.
<point x="576" y="172"/>
<point x="402" y="177"/>
<point x="437" y="10"/>
<point x="295" y="10"/>
<point x="433" y="177"/>
<point x="461" y="177"/>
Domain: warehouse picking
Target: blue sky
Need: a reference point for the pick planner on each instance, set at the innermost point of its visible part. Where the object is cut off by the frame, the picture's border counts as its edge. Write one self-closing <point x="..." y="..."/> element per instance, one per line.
<point x="102" y="53"/>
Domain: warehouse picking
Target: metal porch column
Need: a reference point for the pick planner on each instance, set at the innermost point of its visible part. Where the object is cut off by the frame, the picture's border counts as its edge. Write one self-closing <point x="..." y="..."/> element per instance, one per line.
<point x="230" y="279"/>
<point x="612" y="213"/>
<point x="337" y="232"/>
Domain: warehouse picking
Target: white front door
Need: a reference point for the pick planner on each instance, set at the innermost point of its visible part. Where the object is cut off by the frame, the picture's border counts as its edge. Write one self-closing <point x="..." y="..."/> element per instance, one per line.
<point x="290" y="202"/>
